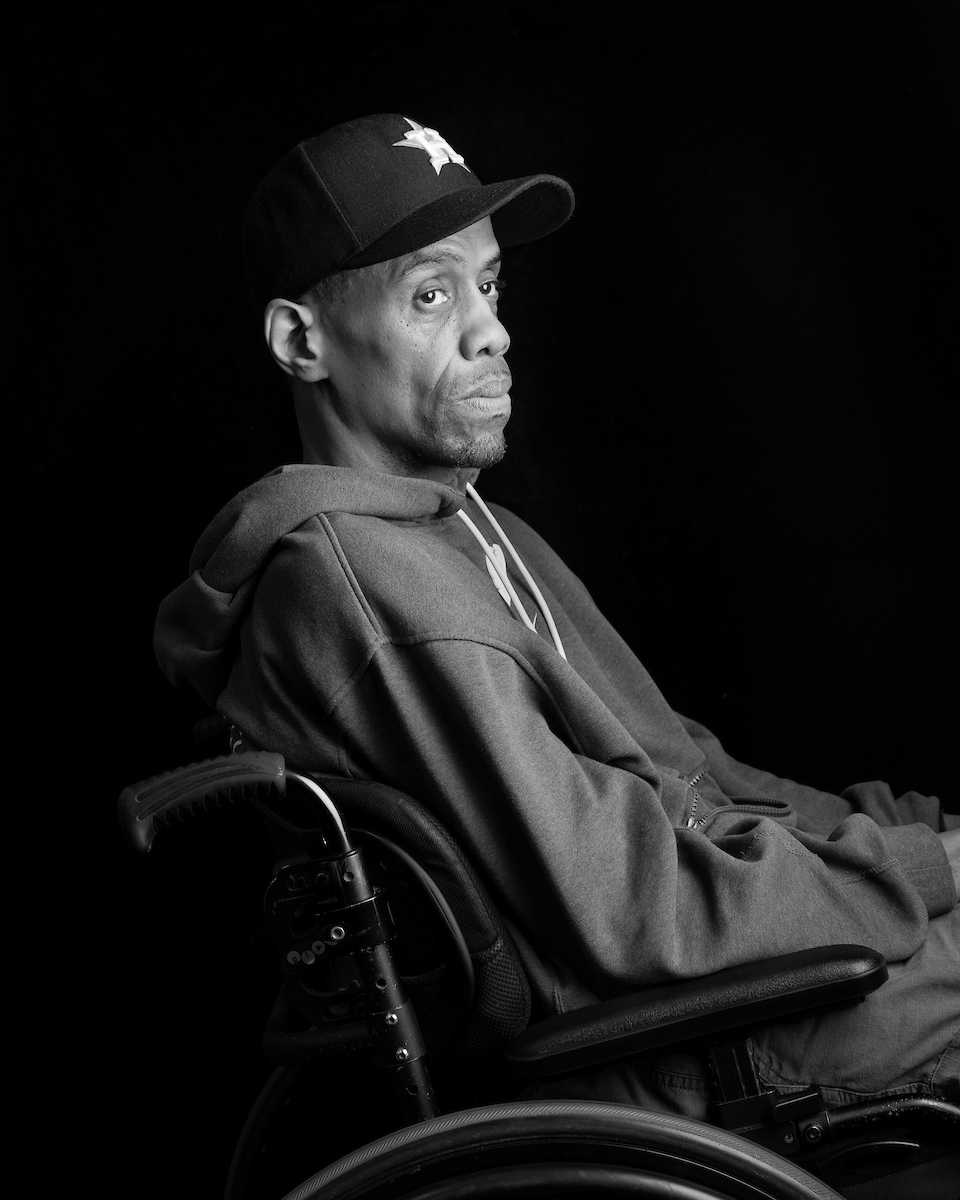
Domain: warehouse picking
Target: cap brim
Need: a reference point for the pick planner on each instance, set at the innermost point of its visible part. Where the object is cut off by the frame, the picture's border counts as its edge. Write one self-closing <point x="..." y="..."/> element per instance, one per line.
<point x="523" y="210"/>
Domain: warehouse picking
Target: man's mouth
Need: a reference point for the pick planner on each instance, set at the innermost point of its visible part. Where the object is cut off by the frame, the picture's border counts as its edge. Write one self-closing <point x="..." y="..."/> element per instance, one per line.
<point x="490" y="389"/>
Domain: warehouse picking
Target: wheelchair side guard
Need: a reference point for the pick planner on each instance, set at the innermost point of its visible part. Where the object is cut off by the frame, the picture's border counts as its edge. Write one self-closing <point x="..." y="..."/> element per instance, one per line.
<point x="756" y="994"/>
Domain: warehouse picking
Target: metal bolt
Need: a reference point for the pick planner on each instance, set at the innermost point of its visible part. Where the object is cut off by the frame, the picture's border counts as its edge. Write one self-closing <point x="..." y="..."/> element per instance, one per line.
<point x="402" y="1055"/>
<point x="813" y="1133"/>
<point x="391" y="1018"/>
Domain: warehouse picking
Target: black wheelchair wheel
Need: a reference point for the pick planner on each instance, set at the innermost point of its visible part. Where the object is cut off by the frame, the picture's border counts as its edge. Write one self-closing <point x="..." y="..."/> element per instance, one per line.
<point x="563" y="1149"/>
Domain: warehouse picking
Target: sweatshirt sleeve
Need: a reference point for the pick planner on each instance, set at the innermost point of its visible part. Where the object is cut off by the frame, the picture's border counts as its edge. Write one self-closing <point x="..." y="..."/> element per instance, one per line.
<point x="908" y="823"/>
<point x="583" y="853"/>
<point x="815" y="809"/>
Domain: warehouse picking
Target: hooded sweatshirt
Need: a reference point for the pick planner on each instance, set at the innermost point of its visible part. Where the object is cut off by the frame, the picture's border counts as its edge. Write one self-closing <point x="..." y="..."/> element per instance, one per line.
<point x="348" y="619"/>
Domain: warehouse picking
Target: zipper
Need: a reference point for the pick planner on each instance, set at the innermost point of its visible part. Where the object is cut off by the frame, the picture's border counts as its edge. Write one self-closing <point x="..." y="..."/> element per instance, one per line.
<point x="760" y="806"/>
<point x="693" y="821"/>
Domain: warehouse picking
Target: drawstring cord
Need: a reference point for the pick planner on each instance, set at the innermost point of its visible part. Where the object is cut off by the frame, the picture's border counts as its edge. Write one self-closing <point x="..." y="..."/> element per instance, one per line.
<point x="496" y="564"/>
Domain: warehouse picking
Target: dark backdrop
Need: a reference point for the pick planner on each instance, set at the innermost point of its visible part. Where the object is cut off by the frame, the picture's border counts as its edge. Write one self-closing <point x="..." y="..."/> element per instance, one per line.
<point x="733" y="373"/>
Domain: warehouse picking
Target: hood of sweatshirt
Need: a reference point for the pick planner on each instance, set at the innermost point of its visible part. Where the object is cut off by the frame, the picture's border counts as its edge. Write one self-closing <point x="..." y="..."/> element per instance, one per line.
<point x="198" y="622"/>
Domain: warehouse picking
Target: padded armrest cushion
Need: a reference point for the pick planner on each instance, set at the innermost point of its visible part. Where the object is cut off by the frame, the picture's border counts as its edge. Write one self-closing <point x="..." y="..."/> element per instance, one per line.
<point x="658" y="1018"/>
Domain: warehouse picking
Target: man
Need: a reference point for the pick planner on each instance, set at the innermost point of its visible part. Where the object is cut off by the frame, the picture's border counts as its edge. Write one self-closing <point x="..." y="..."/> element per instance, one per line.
<point x="367" y="615"/>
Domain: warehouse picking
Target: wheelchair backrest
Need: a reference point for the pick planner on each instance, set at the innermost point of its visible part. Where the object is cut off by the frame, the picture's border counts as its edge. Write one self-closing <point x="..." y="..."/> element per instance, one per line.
<point x="384" y="819"/>
<point x="472" y="996"/>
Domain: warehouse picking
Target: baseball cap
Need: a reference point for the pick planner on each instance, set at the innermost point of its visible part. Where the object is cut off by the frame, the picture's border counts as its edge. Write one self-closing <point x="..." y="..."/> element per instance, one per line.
<point x="373" y="189"/>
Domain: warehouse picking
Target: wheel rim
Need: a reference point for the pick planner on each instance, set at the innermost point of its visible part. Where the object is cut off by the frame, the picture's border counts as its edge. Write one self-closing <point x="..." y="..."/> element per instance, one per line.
<point x="560" y="1134"/>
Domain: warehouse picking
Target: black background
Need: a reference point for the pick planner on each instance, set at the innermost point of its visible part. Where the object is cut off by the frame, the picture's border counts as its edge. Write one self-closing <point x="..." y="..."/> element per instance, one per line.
<point x="734" y="372"/>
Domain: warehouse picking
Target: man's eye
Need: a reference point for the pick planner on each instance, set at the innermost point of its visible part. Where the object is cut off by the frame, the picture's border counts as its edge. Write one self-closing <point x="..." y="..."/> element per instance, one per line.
<point x="492" y="289"/>
<point x="433" y="297"/>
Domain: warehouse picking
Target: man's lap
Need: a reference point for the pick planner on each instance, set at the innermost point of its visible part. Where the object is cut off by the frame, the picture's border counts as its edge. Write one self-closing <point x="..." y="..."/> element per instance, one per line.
<point x="904" y="1039"/>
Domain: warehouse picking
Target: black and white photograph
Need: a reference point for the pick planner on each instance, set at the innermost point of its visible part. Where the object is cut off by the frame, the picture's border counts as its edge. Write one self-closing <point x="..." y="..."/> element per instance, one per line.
<point x="482" y="628"/>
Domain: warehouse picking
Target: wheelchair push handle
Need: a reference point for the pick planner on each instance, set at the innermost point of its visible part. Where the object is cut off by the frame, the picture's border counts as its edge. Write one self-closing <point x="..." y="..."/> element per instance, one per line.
<point x="146" y="806"/>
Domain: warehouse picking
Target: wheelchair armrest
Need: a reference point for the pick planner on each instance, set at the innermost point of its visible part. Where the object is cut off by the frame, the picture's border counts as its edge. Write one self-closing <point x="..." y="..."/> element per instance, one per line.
<point x="658" y="1018"/>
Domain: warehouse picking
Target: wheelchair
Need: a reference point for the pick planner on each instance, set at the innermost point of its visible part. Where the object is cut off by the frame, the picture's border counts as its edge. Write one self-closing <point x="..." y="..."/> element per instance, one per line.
<point x="392" y="954"/>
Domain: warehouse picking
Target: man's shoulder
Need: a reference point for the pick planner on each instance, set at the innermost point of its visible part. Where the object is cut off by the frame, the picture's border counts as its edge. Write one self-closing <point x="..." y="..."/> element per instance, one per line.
<point x="330" y="541"/>
<point x="359" y="561"/>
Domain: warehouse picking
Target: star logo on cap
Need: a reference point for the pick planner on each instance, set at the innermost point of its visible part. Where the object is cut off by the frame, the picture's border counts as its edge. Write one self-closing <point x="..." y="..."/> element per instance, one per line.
<point x="438" y="149"/>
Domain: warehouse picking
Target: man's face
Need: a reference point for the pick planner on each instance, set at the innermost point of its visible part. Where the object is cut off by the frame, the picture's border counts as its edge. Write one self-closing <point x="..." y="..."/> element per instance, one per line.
<point x="415" y="359"/>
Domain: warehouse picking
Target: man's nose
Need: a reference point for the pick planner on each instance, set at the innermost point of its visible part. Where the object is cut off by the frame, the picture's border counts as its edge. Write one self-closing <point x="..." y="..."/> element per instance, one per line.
<point x="483" y="332"/>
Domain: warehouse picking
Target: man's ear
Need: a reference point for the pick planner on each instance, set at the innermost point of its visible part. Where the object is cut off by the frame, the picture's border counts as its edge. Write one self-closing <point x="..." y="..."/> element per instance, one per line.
<point x="295" y="339"/>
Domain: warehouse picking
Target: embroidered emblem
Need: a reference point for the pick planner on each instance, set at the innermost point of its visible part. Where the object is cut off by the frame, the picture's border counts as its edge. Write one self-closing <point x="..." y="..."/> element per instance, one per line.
<point x="438" y="149"/>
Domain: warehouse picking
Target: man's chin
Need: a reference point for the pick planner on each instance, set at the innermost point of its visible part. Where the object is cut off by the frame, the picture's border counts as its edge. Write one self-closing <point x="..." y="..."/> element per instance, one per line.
<point x="482" y="452"/>
<point x="453" y="453"/>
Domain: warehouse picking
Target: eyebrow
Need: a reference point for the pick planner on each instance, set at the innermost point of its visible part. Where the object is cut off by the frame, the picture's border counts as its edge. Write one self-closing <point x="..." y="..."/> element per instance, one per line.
<point x="430" y="257"/>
